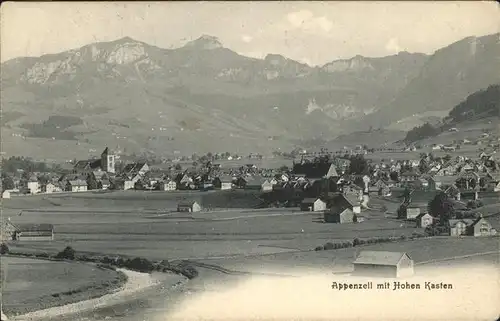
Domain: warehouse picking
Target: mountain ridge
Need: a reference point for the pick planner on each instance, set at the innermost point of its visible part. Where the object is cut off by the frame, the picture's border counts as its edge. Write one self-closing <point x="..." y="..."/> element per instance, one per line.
<point x="189" y="95"/>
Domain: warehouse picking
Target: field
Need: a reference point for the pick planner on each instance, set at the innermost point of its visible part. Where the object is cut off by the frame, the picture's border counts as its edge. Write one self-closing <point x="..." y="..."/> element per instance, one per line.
<point x="38" y="284"/>
<point x="130" y="225"/>
<point x="145" y="224"/>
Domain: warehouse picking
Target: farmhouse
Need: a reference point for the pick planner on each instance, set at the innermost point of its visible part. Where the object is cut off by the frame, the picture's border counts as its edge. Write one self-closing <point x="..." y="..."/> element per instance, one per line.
<point x="424" y="220"/>
<point x="481" y="227"/>
<point x="383" y="264"/>
<point x="49" y="188"/>
<point x="459" y="227"/>
<point x="413" y="210"/>
<point x="77" y="185"/>
<point x="34" y="232"/>
<point x="339" y="215"/>
<point x="32" y="185"/>
<point x="169" y="185"/>
<point x="313" y="204"/>
<point x="188" y="206"/>
<point x="224" y="182"/>
<point x="259" y="183"/>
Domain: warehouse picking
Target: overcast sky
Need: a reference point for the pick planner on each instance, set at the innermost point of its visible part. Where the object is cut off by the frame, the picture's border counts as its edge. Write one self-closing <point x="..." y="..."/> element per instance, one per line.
<point x="314" y="33"/>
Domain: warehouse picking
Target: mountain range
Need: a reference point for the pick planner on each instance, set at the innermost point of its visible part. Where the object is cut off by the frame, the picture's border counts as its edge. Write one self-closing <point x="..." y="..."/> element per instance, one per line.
<point x="203" y="97"/>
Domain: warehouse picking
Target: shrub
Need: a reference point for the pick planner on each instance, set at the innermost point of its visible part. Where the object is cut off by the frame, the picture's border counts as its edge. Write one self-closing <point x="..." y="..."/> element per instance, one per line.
<point x="402" y="237"/>
<point x="68" y="254"/>
<point x="4" y="249"/>
<point x="329" y="246"/>
<point x="355" y="242"/>
<point x="140" y="265"/>
<point x="319" y="248"/>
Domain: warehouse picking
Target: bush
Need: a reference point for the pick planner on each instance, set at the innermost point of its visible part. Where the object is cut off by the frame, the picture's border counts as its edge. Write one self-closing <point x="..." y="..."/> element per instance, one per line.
<point x="356" y="242"/>
<point x="140" y="265"/>
<point x="402" y="237"/>
<point x="319" y="248"/>
<point x="67" y="254"/>
<point x="4" y="249"/>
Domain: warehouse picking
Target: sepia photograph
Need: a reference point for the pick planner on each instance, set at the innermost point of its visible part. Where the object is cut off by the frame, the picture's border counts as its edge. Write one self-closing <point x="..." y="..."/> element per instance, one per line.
<point x="250" y="160"/>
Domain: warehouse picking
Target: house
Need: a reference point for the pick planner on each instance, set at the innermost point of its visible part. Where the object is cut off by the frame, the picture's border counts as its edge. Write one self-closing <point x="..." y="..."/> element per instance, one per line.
<point x="313" y="204"/>
<point x="466" y="195"/>
<point x="34" y="232"/>
<point x="413" y="210"/>
<point x="259" y="183"/>
<point x="481" y="227"/>
<point x="441" y="182"/>
<point x="409" y="176"/>
<point x="424" y="220"/>
<point x="315" y="170"/>
<point x="188" y="206"/>
<point x="458" y="227"/>
<point x="169" y="185"/>
<point x="32" y="185"/>
<point x="348" y="201"/>
<point x="6" y="194"/>
<point x="135" y="171"/>
<point x="339" y="215"/>
<point x="453" y="192"/>
<point x="77" y="185"/>
<point x="224" y="182"/>
<point x="383" y="264"/>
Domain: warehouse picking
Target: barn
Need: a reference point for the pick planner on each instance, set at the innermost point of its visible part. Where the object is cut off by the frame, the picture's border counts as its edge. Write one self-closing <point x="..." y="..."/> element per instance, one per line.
<point x="312" y="204"/>
<point x="188" y="206"/>
<point x="34" y="232"/>
<point x="383" y="264"/>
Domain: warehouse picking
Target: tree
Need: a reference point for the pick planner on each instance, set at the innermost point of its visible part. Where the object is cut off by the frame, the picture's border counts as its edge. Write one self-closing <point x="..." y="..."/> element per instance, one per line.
<point x="7" y="182"/>
<point x="358" y="165"/>
<point x="91" y="182"/>
<point x="442" y="207"/>
<point x="68" y="253"/>
<point x="178" y="167"/>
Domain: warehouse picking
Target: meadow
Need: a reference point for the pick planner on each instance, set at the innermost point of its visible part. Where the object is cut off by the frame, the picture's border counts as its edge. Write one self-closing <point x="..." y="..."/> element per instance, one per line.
<point x="34" y="284"/>
<point x="118" y="223"/>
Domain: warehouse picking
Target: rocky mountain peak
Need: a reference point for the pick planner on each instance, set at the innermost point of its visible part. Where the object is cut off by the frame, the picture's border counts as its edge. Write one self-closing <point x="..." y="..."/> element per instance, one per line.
<point x="205" y="42"/>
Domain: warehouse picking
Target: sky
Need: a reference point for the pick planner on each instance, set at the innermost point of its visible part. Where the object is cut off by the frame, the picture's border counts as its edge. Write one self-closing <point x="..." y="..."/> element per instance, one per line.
<point x="310" y="32"/>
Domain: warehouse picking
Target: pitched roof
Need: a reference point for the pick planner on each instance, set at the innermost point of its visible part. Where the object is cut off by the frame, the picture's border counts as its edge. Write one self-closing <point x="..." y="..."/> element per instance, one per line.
<point x="87" y="164"/>
<point x="187" y="203"/>
<point x="314" y="170"/>
<point x="133" y="167"/>
<point x="379" y="257"/>
<point x="454" y="222"/>
<point x="34" y="227"/>
<point x="78" y="182"/>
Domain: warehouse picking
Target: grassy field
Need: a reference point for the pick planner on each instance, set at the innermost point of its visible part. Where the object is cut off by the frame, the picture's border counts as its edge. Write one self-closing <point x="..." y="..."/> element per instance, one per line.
<point x="38" y="284"/>
<point x="124" y="227"/>
<point x="421" y="251"/>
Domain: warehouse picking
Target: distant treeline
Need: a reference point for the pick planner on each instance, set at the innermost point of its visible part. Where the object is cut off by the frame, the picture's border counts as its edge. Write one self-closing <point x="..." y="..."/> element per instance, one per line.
<point x="481" y="104"/>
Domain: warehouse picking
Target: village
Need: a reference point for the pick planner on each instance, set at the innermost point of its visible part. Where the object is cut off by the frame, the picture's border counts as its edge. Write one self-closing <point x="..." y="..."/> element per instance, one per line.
<point x="439" y="194"/>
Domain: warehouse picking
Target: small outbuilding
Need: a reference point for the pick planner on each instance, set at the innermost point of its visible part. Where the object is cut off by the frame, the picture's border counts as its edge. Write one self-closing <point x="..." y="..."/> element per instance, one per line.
<point x="188" y="206"/>
<point x="383" y="264"/>
<point x="312" y="204"/>
<point x="34" y="232"/>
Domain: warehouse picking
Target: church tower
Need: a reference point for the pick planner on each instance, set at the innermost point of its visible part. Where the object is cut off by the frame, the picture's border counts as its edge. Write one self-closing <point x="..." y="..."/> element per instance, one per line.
<point x="108" y="161"/>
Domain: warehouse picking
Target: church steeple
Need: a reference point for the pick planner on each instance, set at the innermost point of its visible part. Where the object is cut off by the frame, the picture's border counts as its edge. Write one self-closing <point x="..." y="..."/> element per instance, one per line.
<point x="108" y="161"/>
